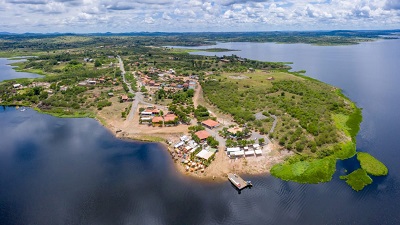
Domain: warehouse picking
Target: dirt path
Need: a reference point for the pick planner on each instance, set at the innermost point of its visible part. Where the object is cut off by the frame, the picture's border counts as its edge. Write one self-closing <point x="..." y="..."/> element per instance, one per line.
<point x="197" y="94"/>
<point x="199" y="99"/>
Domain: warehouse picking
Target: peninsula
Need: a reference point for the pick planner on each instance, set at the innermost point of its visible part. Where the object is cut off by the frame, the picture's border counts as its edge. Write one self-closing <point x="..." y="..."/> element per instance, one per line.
<point x="216" y="115"/>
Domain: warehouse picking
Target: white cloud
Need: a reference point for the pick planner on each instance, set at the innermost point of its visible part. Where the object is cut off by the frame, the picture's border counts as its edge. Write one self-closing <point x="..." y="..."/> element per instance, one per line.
<point x="149" y="20"/>
<point x="198" y="15"/>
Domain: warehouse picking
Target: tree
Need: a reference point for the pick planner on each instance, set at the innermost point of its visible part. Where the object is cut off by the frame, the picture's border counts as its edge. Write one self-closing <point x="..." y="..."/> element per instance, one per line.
<point x="261" y="141"/>
<point x="190" y="93"/>
<point x="97" y="63"/>
<point x="212" y="142"/>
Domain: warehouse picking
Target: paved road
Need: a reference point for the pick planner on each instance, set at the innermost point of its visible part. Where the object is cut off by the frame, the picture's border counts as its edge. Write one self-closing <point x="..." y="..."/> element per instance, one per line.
<point x="138" y="95"/>
<point x="139" y="98"/>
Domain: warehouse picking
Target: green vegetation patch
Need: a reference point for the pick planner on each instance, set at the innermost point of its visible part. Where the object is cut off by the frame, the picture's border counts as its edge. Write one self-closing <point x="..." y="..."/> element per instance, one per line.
<point x="313" y="171"/>
<point x="341" y="122"/>
<point x="347" y="150"/>
<point x="358" y="179"/>
<point x="371" y="165"/>
<point x="354" y="122"/>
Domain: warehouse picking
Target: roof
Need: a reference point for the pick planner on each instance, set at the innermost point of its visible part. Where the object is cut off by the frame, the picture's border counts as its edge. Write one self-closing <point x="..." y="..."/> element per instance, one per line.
<point x="233" y="149"/>
<point x="202" y="134"/>
<point x="154" y="111"/>
<point x="177" y="145"/>
<point x="157" y="119"/>
<point x="169" y="117"/>
<point x="210" y="123"/>
<point x="204" y="154"/>
<point x="124" y="97"/>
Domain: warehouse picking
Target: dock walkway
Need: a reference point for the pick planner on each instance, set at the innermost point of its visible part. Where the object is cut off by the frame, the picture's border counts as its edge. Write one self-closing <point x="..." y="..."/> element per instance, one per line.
<point x="238" y="181"/>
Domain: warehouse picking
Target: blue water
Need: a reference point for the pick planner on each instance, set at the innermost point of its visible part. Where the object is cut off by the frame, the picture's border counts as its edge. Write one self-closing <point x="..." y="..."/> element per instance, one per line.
<point x="73" y="171"/>
<point x="7" y="72"/>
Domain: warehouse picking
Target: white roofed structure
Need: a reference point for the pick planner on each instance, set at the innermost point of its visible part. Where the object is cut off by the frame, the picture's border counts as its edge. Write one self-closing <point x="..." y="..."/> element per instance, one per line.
<point x="204" y="154"/>
<point x="233" y="149"/>
<point x="179" y="144"/>
<point x="238" y="153"/>
<point x="249" y="153"/>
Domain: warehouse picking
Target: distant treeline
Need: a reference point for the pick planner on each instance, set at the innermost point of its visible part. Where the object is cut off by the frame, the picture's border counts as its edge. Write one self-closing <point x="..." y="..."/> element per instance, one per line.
<point x="54" y="41"/>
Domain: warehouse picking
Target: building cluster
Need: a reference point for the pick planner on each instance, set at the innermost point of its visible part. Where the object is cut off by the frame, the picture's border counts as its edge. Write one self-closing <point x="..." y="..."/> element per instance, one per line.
<point x="155" y="79"/>
<point x="152" y="115"/>
<point x="94" y="81"/>
<point x="195" y="156"/>
<point x="251" y="150"/>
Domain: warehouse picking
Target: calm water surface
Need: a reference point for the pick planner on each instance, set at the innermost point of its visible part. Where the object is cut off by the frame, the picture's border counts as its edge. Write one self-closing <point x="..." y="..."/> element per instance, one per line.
<point x="72" y="171"/>
<point x="7" y="72"/>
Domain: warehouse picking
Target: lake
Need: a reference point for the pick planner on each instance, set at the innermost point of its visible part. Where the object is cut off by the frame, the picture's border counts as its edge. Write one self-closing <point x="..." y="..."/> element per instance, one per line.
<point x="7" y="72"/>
<point x="73" y="171"/>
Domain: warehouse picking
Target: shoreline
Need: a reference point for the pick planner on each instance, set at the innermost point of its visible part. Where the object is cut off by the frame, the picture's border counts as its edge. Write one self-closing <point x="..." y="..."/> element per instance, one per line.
<point x="219" y="168"/>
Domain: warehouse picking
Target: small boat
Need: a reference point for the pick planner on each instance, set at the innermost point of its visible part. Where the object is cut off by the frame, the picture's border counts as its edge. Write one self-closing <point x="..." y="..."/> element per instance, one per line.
<point x="238" y="182"/>
<point x="22" y="110"/>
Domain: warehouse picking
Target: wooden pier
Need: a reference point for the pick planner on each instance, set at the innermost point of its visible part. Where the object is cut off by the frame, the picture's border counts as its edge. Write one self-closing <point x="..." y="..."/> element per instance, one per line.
<point x="238" y="182"/>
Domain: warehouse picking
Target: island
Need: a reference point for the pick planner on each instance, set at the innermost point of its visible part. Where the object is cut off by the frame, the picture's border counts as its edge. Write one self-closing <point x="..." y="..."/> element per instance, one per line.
<point x="215" y="115"/>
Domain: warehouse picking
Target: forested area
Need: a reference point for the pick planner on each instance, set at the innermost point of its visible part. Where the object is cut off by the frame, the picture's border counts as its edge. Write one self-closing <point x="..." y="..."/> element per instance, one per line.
<point x="304" y="108"/>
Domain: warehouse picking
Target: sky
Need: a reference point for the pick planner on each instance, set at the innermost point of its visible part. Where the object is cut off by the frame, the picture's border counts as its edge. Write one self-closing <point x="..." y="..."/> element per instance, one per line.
<point x="88" y="16"/>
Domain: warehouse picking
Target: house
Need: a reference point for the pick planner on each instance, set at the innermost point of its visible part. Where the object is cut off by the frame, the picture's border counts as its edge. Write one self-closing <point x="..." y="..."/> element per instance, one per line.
<point x="170" y="118"/>
<point x="17" y="85"/>
<point x="91" y="82"/>
<point x="124" y="98"/>
<point x="184" y="138"/>
<point x="210" y="123"/>
<point x="157" y="120"/>
<point x="202" y="135"/>
<point x="270" y="78"/>
<point x="146" y="113"/>
<point x="110" y="94"/>
<point x="150" y="111"/>
<point x="204" y="154"/>
<point x="145" y="120"/>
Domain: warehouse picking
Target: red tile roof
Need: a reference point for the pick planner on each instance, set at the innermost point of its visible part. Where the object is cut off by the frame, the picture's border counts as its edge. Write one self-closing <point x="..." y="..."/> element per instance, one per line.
<point x="169" y="117"/>
<point x="157" y="119"/>
<point x="202" y="134"/>
<point x="210" y="123"/>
